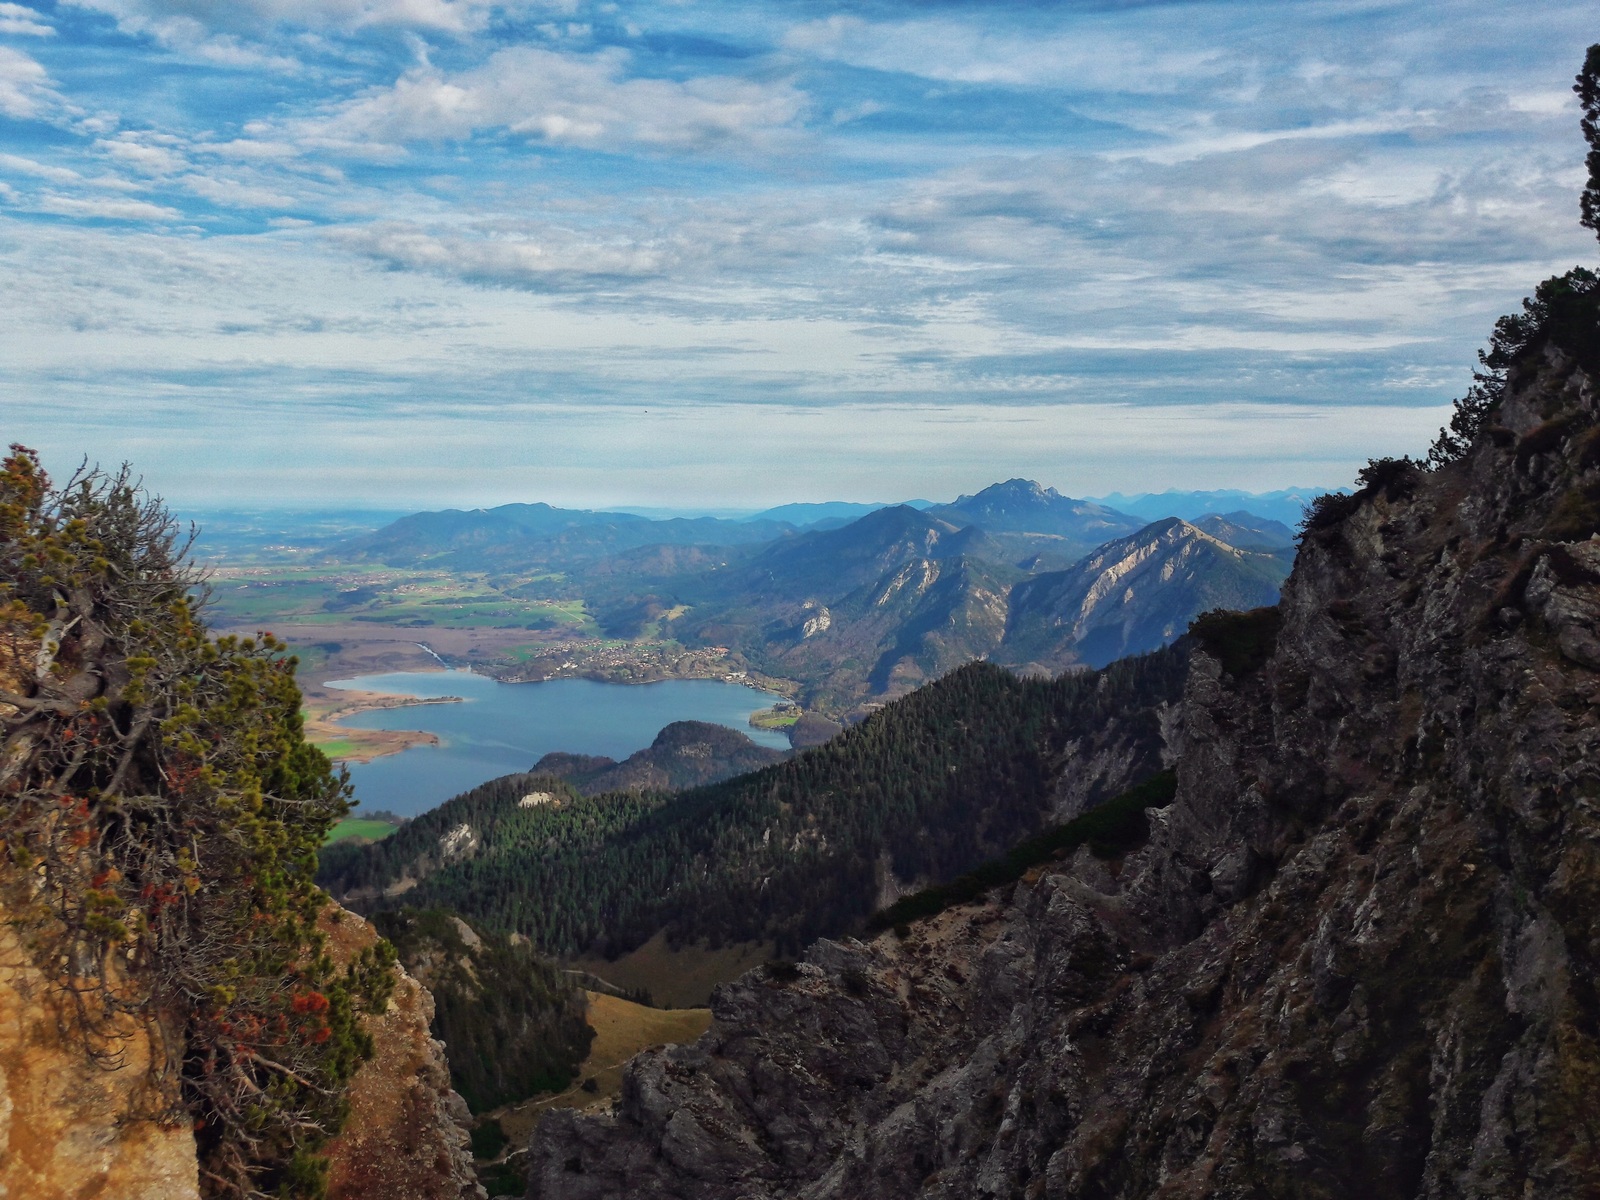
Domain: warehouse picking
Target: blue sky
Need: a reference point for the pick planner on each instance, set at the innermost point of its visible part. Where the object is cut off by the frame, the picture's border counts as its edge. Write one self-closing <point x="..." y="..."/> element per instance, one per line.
<point x="422" y="252"/>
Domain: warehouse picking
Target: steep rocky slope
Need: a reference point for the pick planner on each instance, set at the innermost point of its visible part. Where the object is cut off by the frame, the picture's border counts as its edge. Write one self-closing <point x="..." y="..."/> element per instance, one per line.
<point x="65" y="1132"/>
<point x="407" y="1137"/>
<point x="1356" y="957"/>
<point x="76" y="1127"/>
<point x="1136" y="594"/>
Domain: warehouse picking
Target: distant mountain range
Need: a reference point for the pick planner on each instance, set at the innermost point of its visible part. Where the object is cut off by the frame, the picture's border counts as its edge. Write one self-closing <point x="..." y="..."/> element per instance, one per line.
<point x="858" y="606"/>
<point x="1287" y="505"/>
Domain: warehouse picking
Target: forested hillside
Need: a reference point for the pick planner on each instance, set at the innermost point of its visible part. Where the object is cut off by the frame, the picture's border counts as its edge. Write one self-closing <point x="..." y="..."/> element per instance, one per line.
<point x="921" y="791"/>
<point x="513" y="1023"/>
<point x="684" y="754"/>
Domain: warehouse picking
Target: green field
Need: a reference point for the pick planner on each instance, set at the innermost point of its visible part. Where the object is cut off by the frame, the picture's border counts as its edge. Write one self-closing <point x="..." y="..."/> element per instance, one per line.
<point x="359" y="827"/>
<point x="774" y="718"/>
<point x="326" y="595"/>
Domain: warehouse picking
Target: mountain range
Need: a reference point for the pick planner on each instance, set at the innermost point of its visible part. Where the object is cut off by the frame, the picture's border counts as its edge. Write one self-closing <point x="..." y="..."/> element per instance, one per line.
<point x="858" y="610"/>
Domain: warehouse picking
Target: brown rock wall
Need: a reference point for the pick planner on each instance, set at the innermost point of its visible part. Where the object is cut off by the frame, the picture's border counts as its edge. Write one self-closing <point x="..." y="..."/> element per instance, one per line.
<point x="70" y="1129"/>
<point x="407" y="1135"/>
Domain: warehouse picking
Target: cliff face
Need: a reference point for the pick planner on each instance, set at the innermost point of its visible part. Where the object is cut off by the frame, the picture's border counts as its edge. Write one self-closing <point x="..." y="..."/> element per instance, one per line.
<point x="65" y="1132"/>
<point x="1357" y="956"/>
<point x="407" y="1137"/>
<point x="73" y="1128"/>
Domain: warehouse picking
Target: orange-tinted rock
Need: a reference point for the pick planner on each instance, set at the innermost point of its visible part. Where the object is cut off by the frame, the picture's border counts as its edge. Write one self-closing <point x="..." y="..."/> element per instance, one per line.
<point x="69" y="1127"/>
<point x="407" y="1134"/>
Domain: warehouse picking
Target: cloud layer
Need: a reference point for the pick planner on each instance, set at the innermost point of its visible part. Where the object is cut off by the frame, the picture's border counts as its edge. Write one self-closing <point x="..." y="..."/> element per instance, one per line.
<point x="430" y="214"/>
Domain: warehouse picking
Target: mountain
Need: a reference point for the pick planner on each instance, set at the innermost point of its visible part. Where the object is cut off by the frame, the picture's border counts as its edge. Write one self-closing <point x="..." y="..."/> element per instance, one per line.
<point x="685" y="754"/>
<point x="1246" y="531"/>
<point x="877" y="606"/>
<point x="831" y="512"/>
<point x="854" y="612"/>
<point x="1135" y="594"/>
<point x="512" y="1023"/>
<point x="918" y="792"/>
<point x="1023" y="506"/>
<point x="520" y="536"/>
<point x="1287" y="505"/>
<point x="1352" y="953"/>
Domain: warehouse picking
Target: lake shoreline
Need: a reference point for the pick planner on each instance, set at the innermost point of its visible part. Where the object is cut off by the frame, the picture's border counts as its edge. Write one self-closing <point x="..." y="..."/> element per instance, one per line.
<point x="322" y="726"/>
<point x="505" y="728"/>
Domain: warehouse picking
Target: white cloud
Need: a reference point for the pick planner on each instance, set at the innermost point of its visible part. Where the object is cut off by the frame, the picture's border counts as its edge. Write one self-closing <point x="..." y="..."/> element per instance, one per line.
<point x="564" y="99"/>
<point x="1092" y="55"/>
<point x="144" y="153"/>
<point x="25" y="89"/>
<point x="19" y="20"/>
<point x="559" y="259"/>
<point x="194" y="21"/>
<point x="39" y="170"/>
<point x="106" y="208"/>
<point x="250" y="150"/>
<point x="233" y="193"/>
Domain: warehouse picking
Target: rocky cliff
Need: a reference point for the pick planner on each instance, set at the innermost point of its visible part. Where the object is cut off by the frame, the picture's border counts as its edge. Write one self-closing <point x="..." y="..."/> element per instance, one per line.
<point x="69" y="1122"/>
<point x="407" y="1137"/>
<point x="80" y="1127"/>
<point x="1356" y="957"/>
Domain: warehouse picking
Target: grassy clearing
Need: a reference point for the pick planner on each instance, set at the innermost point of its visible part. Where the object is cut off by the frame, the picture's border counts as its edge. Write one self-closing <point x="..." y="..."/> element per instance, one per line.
<point x="774" y="718"/>
<point x="362" y="827"/>
<point x="681" y="977"/>
<point x="621" y="1030"/>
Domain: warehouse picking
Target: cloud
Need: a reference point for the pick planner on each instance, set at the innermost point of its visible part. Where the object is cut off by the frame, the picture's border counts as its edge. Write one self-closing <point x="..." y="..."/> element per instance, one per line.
<point x="187" y="18"/>
<point x="557" y="261"/>
<point x="144" y="153"/>
<point x="234" y="193"/>
<point x="580" y="100"/>
<point x="25" y="88"/>
<point x="21" y="21"/>
<point x="105" y="208"/>
<point x="1091" y="55"/>
<point x="38" y="170"/>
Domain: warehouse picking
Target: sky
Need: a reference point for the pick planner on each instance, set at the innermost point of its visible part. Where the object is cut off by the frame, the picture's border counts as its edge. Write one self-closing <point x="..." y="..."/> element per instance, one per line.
<point x="414" y="253"/>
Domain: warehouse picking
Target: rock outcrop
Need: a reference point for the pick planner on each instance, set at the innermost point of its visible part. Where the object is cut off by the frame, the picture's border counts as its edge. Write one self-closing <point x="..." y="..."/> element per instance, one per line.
<point x="407" y="1136"/>
<point x="76" y="1127"/>
<point x="1357" y="956"/>
<point x="72" y="1126"/>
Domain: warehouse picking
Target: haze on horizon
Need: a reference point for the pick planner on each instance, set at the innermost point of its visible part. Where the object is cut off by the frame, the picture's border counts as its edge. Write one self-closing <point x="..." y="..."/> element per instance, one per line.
<point x="413" y="253"/>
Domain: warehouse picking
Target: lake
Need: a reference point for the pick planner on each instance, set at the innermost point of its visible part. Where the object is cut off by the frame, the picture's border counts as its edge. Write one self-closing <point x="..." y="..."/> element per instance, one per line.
<point x="506" y="727"/>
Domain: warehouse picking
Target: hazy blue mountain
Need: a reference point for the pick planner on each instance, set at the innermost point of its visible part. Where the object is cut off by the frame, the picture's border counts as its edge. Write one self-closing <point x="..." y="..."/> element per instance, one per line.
<point x="1286" y="505"/>
<point x="838" y="512"/>
<point x="1060" y="524"/>
<point x="243" y="535"/>
<point x="879" y="605"/>
<point x="1247" y="531"/>
<point x="836" y="560"/>
<point x="516" y="536"/>
<point x="1135" y="594"/>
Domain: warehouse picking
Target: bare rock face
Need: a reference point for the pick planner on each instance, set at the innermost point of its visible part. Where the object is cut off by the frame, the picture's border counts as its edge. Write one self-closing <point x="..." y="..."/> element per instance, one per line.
<point x="1358" y="956"/>
<point x="72" y="1128"/>
<point x="407" y="1136"/>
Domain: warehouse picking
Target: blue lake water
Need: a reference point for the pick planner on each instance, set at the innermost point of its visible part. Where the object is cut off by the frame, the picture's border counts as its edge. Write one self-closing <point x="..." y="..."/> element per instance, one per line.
<point x="506" y="727"/>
